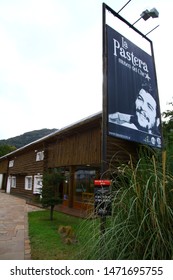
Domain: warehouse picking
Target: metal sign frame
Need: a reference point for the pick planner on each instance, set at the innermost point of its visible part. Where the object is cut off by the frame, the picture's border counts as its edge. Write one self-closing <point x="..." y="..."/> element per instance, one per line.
<point x="106" y="8"/>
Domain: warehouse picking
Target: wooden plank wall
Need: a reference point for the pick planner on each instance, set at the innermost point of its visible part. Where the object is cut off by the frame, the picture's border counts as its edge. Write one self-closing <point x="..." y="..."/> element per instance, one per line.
<point x="77" y="149"/>
<point x="3" y="166"/>
<point x="20" y="189"/>
<point x="26" y="163"/>
<point x="119" y="151"/>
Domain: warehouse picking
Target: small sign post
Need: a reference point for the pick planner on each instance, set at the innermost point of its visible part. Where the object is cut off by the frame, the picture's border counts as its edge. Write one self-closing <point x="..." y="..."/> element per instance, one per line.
<point x="102" y="198"/>
<point x="102" y="205"/>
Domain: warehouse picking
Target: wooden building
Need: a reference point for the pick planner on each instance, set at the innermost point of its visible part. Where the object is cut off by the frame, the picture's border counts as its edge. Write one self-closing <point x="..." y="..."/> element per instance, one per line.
<point x="76" y="149"/>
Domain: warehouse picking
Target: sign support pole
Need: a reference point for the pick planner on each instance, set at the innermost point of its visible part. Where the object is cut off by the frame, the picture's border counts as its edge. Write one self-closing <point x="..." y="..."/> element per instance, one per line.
<point x="104" y="89"/>
<point x="104" y="120"/>
<point x="103" y="207"/>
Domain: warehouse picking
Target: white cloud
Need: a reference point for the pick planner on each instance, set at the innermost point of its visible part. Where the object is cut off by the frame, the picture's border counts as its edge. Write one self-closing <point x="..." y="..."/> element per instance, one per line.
<point x="35" y="12"/>
<point x="51" y="59"/>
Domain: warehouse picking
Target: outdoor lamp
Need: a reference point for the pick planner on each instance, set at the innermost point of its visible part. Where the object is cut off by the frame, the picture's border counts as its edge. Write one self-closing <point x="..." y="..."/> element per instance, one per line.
<point x="154" y="13"/>
<point x="147" y="14"/>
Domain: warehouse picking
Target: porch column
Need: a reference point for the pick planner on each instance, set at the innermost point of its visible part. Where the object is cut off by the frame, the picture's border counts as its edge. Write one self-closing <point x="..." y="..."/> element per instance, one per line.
<point x="71" y="186"/>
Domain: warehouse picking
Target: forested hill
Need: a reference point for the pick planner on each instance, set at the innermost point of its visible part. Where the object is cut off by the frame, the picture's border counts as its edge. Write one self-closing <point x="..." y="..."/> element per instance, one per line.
<point x="26" y="138"/>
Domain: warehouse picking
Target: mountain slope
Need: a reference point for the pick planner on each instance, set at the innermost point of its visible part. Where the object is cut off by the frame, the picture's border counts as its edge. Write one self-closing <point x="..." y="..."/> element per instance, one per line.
<point x="26" y="138"/>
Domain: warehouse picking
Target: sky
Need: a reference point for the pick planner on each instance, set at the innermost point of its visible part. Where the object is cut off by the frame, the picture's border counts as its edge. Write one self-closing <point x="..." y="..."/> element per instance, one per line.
<point x="51" y="59"/>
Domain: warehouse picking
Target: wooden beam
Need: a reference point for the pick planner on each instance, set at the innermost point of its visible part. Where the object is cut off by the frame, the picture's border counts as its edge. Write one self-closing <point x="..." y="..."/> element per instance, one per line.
<point x="71" y="186"/>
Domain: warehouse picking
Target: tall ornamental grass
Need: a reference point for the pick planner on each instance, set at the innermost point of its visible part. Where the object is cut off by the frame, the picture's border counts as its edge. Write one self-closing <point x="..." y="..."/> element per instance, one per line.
<point x="141" y="225"/>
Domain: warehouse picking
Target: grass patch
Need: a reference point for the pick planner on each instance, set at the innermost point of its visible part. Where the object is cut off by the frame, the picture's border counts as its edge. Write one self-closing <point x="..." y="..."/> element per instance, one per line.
<point x="47" y="243"/>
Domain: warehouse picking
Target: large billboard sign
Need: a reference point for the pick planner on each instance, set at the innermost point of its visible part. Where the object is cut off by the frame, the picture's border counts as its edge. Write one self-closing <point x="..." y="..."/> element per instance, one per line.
<point x="133" y="110"/>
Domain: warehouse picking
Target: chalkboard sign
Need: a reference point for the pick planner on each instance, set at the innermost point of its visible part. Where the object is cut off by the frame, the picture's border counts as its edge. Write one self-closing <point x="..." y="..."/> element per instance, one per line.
<point x="102" y="198"/>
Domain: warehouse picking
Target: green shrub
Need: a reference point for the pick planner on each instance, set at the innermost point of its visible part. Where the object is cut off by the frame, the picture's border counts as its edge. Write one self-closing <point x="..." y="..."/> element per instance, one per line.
<point x="50" y="193"/>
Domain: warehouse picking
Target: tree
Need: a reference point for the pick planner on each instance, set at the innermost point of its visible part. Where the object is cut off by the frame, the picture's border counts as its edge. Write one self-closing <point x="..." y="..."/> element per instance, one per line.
<point x="168" y="113"/>
<point x="5" y="149"/>
<point x="168" y="121"/>
<point x="168" y="135"/>
<point x="50" y="193"/>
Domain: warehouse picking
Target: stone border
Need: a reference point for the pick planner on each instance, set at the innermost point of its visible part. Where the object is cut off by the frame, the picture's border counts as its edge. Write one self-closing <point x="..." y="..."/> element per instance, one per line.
<point x="27" y="247"/>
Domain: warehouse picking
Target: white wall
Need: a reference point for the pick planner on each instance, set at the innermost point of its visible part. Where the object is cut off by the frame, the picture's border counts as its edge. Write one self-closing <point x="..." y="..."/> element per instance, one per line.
<point x="1" y="179"/>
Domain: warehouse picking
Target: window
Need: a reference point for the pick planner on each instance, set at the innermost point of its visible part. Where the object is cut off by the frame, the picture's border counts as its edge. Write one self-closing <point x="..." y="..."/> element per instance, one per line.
<point x="84" y="182"/>
<point x="13" y="182"/>
<point x="38" y="182"/>
<point x="28" y="183"/>
<point x="40" y="156"/>
<point x="11" y="163"/>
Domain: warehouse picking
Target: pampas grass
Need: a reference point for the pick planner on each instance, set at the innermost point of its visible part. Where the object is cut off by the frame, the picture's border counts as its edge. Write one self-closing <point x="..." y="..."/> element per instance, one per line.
<point x="141" y="225"/>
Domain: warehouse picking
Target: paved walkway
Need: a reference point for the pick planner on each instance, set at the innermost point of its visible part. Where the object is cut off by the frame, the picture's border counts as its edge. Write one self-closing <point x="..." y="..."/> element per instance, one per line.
<point x="14" y="240"/>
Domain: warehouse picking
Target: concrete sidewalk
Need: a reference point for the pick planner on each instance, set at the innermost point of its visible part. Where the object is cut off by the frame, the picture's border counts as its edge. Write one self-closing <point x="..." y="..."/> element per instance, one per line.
<point x="14" y="240"/>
